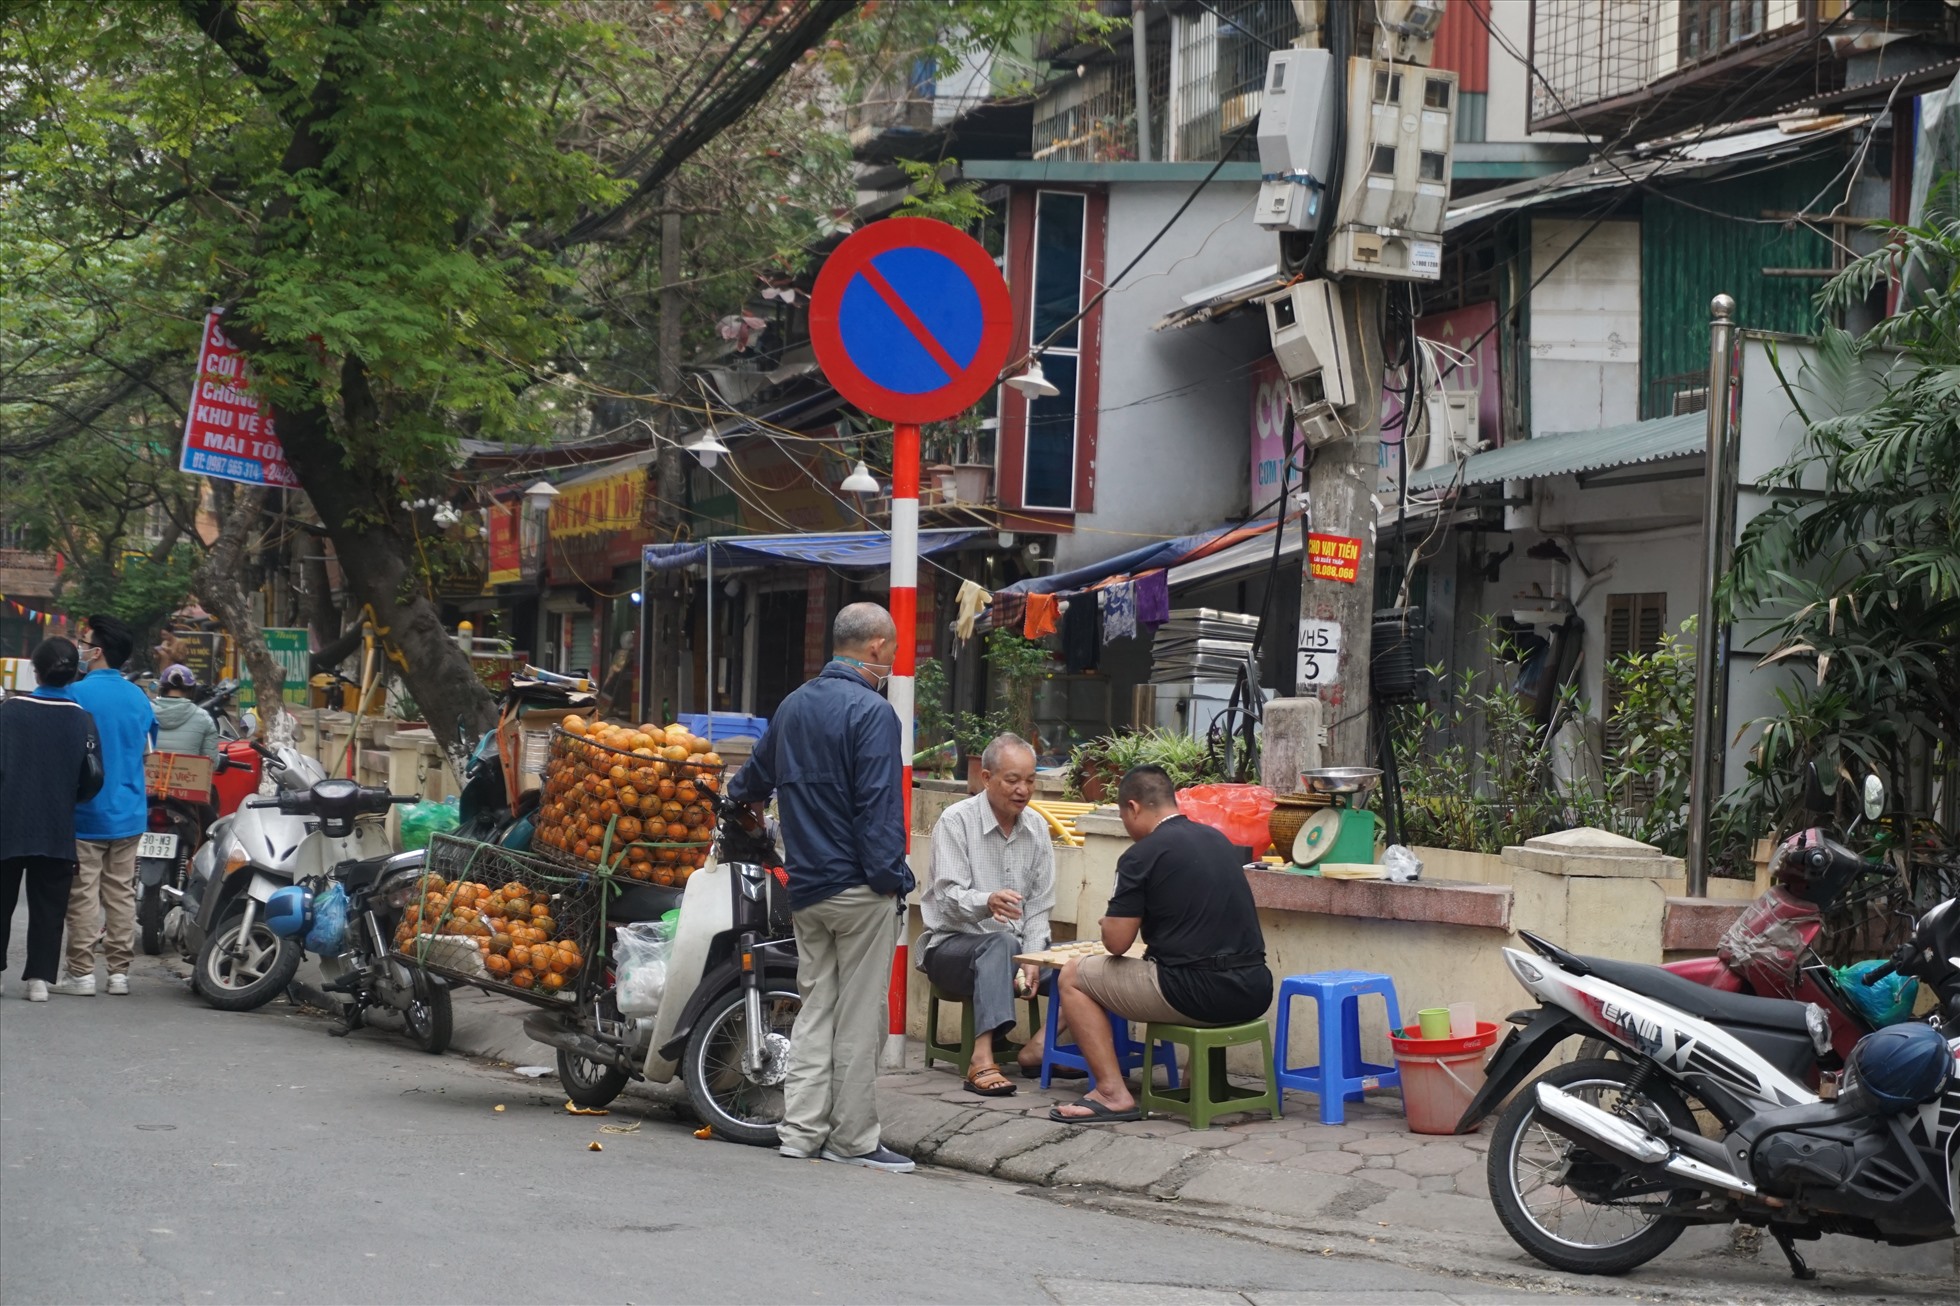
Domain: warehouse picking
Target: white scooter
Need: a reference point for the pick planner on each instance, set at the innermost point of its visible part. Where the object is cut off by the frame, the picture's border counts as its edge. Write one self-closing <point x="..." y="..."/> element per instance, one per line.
<point x="312" y="825"/>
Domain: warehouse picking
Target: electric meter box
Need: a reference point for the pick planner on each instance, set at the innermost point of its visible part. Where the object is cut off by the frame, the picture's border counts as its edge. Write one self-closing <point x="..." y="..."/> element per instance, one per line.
<point x="1408" y="28"/>
<point x="1310" y="342"/>
<point x="1296" y="139"/>
<point x="1395" y="182"/>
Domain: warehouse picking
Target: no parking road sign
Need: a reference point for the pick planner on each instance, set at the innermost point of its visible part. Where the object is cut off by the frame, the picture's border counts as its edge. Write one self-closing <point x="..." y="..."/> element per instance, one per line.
<point x="910" y="320"/>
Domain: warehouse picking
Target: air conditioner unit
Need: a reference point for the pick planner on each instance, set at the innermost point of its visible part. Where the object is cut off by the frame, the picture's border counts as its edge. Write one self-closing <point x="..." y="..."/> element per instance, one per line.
<point x="1296" y="139"/>
<point x="1395" y="180"/>
<point x="1450" y="432"/>
<point x="1310" y="341"/>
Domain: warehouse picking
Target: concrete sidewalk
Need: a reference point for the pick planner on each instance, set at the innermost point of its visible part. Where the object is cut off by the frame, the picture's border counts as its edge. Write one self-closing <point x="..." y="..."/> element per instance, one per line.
<point x="1368" y="1187"/>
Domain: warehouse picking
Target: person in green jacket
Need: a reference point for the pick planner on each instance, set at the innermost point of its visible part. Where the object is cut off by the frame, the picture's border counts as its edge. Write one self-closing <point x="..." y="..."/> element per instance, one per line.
<point x="183" y="726"/>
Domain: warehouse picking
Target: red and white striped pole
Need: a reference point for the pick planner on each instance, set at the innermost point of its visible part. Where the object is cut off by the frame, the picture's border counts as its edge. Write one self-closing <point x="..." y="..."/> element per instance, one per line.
<point x="905" y="615"/>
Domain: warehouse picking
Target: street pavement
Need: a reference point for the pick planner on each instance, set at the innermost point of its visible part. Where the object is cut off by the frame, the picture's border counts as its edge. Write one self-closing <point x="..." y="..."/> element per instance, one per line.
<point x="152" y="1149"/>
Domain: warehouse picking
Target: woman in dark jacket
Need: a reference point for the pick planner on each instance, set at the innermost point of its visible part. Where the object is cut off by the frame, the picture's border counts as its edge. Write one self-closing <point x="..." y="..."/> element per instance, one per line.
<point x="50" y="759"/>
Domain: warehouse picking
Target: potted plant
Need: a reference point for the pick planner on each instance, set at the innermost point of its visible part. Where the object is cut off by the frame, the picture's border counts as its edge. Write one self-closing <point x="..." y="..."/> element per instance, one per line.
<point x="1097" y="766"/>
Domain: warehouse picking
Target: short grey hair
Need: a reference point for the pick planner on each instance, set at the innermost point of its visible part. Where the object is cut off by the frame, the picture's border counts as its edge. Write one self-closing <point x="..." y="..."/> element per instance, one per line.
<point x="860" y="623"/>
<point x="1000" y="746"/>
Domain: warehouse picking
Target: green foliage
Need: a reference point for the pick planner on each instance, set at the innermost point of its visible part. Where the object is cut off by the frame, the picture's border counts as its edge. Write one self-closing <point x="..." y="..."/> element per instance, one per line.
<point x="1017" y="666"/>
<point x="959" y="204"/>
<point x="1187" y="761"/>
<point x="935" y="717"/>
<point x="1860" y="586"/>
<point x="1646" y="777"/>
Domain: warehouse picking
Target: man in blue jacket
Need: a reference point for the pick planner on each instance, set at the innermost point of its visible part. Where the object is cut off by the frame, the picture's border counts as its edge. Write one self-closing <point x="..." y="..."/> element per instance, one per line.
<point x="831" y="756"/>
<point x="108" y="825"/>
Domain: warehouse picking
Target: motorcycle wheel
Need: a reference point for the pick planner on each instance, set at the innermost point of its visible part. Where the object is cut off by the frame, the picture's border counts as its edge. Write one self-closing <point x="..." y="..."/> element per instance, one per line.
<point x="149" y="921"/>
<point x="738" y="1106"/>
<point x="1531" y="1171"/>
<point x="589" y="1083"/>
<point x="428" y="1020"/>
<point x="261" y="973"/>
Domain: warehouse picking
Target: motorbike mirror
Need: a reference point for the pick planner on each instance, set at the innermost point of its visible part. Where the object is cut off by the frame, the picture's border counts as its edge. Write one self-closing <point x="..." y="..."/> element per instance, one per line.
<point x="222" y="765"/>
<point x="1874" y="798"/>
<point x="1815" y="800"/>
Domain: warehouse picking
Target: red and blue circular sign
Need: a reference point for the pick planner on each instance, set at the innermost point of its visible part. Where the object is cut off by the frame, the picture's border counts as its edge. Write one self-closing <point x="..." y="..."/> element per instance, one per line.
<point x="910" y="320"/>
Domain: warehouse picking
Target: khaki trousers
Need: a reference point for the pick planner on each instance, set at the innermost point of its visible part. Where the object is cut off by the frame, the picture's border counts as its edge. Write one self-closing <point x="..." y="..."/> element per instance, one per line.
<point x="843" y="969"/>
<point x="105" y="887"/>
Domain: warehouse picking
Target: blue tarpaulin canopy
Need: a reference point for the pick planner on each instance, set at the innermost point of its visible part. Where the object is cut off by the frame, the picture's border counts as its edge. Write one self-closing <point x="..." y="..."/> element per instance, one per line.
<point x="1151" y="557"/>
<point x="834" y="549"/>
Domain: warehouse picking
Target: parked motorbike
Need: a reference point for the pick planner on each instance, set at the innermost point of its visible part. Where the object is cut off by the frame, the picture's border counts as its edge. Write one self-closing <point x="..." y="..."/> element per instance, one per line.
<point x="163" y="854"/>
<point x="239" y="961"/>
<point x="358" y="966"/>
<point x="730" y="1002"/>
<point x="1599" y="1165"/>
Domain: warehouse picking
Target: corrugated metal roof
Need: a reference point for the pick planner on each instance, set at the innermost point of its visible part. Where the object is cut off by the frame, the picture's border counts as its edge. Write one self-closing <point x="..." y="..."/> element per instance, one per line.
<point x="1574" y="451"/>
<point x="1463" y="46"/>
<point x="1224" y="298"/>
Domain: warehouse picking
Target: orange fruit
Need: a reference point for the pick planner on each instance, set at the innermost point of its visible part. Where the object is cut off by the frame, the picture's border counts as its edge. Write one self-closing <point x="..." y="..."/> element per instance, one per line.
<point x="676" y="833"/>
<point x="497" y="965"/>
<point x="663" y="874"/>
<point x="552" y="983"/>
<point x="628" y="829"/>
<point x="519" y="954"/>
<point x="560" y="962"/>
<point x="523" y="979"/>
<point x="711" y="758"/>
<point x="573" y="725"/>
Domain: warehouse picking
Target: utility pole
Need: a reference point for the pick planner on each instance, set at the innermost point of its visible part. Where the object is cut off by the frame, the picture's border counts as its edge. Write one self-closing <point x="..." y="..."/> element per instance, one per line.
<point x="660" y="619"/>
<point x="1337" y="579"/>
<point x="1140" y="61"/>
<point x="1711" y="636"/>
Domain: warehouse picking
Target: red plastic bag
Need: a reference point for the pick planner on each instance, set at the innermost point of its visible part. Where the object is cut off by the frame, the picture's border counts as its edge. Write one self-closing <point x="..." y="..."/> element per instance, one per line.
<point x="1239" y="812"/>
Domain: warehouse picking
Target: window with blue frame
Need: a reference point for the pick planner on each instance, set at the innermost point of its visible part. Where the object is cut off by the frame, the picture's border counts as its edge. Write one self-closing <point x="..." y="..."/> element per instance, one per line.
<point x="1061" y="220"/>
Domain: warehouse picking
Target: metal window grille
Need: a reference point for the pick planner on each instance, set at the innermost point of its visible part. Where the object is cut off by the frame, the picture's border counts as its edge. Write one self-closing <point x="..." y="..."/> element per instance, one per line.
<point x="1708" y="27"/>
<point x="1594" y="50"/>
<point x="1672" y="396"/>
<point x="1092" y="118"/>
<point x="1221" y="72"/>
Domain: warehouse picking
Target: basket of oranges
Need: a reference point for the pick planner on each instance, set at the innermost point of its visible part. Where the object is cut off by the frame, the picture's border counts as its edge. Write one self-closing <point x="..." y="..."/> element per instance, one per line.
<point x="633" y="801"/>
<point x="528" y="936"/>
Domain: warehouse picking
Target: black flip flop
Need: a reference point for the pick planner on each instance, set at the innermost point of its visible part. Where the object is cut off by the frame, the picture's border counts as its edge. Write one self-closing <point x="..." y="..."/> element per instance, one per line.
<point x="1005" y="1088"/>
<point x="1098" y="1114"/>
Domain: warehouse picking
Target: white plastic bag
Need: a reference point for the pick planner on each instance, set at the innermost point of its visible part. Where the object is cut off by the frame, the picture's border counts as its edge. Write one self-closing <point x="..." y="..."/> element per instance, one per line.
<point x="641" y="951"/>
<point x="1402" y="864"/>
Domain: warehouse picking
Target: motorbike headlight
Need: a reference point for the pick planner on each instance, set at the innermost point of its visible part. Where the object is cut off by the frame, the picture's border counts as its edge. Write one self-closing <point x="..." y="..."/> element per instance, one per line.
<point x="403" y="890"/>
<point x="1819" y="1026"/>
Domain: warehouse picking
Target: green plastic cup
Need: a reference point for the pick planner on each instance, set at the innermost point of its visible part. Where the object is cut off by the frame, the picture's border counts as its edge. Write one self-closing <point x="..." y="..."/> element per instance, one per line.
<point x="1434" y="1022"/>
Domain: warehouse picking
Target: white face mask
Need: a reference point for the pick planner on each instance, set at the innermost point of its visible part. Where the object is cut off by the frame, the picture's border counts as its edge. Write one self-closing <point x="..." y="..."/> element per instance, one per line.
<point x="881" y="672"/>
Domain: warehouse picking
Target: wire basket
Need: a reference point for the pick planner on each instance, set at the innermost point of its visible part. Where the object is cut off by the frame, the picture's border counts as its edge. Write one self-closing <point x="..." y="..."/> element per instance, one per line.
<point x="533" y="925"/>
<point x="643" y="812"/>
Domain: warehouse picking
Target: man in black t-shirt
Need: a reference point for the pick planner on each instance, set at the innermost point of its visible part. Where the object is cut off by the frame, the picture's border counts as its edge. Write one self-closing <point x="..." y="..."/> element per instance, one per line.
<point x="1182" y="886"/>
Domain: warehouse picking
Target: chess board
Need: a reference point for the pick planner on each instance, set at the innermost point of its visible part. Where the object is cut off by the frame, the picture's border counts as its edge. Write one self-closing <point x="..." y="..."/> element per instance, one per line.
<point x="1058" y="953"/>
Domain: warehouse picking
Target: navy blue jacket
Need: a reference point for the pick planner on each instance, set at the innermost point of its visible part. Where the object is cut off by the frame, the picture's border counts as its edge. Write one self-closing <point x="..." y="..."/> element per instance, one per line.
<point x="831" y="755"/>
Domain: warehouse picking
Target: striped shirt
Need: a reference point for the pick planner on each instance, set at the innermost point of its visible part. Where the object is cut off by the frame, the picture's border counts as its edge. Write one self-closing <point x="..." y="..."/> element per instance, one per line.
<point x="973" y="859"/>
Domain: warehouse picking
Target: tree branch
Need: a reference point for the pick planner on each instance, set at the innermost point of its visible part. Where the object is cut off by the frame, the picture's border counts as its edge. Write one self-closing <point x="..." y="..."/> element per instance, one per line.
<point x="219" y="21"/>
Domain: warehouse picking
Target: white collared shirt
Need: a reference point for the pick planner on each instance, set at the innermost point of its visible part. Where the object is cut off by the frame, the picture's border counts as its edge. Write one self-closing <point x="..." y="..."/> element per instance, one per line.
<point x="973" y="858"/>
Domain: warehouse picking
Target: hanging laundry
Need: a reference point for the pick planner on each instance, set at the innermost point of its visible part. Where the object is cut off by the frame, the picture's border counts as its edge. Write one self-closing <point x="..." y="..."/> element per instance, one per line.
<point x="968" y="604"/>
<point x="1119" y="611"/>
<point x="1082" y="634"/>
<point x="1153" y="598"/>
<point x="1006" y="613"/>
<point x="1042" y="615"/>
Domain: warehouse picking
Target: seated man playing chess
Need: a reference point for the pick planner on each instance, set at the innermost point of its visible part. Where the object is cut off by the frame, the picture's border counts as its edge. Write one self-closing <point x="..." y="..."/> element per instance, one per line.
<point x="1182" y="886"/>
<point x="992" y="889"/>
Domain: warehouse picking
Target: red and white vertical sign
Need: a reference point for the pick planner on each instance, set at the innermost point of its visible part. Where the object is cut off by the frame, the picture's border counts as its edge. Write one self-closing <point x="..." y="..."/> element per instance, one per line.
<point x="227" y="434"/>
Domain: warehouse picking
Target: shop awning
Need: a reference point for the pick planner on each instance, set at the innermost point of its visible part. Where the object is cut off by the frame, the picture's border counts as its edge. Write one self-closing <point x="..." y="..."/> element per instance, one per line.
<point x="1246" y="555"/>
<point x="1574" y="451"/>
<point x="867" y="549"/>
<point x="1225" y="298"/>
<point x="1151" y="557"/>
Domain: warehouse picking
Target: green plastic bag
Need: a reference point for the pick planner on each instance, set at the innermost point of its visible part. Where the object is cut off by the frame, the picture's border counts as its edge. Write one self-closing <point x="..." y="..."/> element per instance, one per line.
<point x="1887" y="1002"/>
<point x="425" y="819"/>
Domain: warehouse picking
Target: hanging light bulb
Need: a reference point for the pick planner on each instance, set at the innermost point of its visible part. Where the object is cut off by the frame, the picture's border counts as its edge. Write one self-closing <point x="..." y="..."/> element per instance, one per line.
<point x="861" y="481"/>
<point x="539" y="496"/>
<point x="1032" y="383"/>
<point x="708" y="449"/>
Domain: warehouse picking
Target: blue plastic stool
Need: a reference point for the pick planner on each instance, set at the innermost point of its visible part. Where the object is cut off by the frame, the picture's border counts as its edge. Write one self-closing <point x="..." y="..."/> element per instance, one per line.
<point x="1129" y="1052"/>
<point x="1342" y="1074"/>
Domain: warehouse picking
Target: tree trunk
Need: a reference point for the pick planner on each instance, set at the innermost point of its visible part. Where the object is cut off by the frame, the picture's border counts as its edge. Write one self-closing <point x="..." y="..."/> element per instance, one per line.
<point x="220" y="587"/>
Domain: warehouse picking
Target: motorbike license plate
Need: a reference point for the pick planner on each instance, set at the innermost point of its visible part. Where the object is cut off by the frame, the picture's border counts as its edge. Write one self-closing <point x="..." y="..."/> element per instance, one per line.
<point x="157" y="845"/>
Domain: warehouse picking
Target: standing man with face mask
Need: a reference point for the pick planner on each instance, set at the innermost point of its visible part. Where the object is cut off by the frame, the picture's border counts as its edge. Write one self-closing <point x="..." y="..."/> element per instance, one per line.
<point x="108" y="825"/>
<point x="831" y="756"/>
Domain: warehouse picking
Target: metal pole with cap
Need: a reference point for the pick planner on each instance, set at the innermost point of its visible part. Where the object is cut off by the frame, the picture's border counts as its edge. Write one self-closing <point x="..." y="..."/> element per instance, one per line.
<point x="905" y="615"/>
<point x="1711" y="638"/>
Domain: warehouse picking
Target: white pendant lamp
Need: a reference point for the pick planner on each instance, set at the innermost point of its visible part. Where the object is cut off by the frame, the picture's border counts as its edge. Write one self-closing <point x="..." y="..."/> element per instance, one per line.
<point x="1032" y="383"/>
<point x="861" y="481"/>
<point x="539" y="496"/>
<point x="708" y="449"/>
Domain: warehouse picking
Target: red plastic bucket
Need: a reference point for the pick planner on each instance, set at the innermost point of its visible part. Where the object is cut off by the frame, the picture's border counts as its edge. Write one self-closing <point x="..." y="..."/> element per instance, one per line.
<point x="1440" y="1075"/>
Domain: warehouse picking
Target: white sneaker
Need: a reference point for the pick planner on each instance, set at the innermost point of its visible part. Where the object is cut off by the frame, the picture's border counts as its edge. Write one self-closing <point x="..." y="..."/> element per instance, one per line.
<point x="76" y="986"/>
<point x="119" y="986"/>
<point x="37" y="991"/>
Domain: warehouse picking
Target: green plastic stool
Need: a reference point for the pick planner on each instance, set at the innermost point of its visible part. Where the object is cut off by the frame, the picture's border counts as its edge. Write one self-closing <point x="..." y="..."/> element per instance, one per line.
<point x="960" y="1054"/>
<point x="1207" y="1093"/>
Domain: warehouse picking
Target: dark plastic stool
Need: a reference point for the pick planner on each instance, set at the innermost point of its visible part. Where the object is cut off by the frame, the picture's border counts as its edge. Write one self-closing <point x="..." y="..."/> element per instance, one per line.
<point x="1129" y="1052"/>
<point x="961" y="1053"/>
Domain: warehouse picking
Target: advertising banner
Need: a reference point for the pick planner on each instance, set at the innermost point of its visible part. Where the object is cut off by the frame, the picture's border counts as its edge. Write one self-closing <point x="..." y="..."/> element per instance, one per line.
<point x="226" y="434"/>
<point x="506" y="542"/>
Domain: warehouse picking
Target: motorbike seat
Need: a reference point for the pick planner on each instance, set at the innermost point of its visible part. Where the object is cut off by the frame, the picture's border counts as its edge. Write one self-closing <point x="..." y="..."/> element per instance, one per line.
<point x="1712" y="1005"/>
<point x="643" y="902"/>
<point x="361" y="874"/>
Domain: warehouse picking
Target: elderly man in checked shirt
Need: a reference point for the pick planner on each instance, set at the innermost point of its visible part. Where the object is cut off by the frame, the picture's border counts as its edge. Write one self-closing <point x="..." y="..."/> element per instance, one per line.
<point x="992" y="890"/>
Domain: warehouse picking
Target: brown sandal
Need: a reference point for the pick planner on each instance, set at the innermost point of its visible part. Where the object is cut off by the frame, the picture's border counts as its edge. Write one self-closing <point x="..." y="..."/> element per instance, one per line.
<point x="990" y="1083"/>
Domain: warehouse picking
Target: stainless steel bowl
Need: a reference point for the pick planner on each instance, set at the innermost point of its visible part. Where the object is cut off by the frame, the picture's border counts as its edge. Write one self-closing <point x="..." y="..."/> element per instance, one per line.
<point x="1355" y="780"/>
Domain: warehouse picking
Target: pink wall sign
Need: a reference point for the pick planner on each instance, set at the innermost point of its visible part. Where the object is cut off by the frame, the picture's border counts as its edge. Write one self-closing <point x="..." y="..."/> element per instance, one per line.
<point x="1271" y="415"/>
<point x="1455" y="330"/>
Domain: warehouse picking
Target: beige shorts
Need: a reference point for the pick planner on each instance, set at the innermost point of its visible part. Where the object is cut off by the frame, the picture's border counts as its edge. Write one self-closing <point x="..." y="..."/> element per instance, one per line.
<point x="1128" y="987"/>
